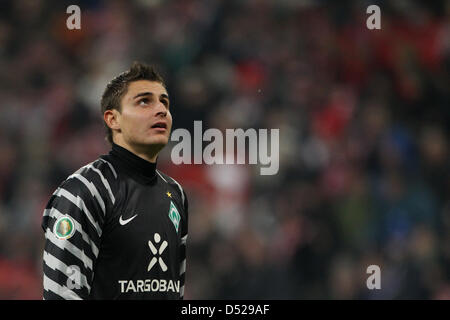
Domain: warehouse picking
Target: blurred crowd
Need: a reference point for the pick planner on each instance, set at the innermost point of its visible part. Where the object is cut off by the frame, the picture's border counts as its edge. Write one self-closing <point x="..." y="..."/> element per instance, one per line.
<point x="363" y="115"/>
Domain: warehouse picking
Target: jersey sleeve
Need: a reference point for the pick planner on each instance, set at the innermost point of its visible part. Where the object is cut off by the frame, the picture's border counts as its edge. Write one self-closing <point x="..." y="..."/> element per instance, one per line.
<point x="184" y="235"/>
<point x="72" y="224"/>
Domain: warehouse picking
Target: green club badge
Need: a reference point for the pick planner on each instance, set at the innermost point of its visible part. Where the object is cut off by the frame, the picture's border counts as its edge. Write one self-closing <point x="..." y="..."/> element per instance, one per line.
<point x="64" y="228"/>
<point x="174" y="216"/>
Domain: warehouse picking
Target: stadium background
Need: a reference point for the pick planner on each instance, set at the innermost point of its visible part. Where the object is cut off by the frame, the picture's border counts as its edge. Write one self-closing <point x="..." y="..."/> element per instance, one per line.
<point x="364" y="137"/>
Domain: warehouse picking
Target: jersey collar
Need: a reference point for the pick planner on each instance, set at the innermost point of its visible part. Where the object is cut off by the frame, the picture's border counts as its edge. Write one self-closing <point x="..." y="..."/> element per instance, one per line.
<point x="136" y="165"/>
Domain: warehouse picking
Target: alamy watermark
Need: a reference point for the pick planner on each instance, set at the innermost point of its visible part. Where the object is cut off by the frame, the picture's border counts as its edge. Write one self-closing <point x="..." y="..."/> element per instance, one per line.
<point x="213" y="153"/>
<point x="74" y="20"/>
<point x="73" y="277"/>
<point x="374" y="280"/>
<point x="372" y="22"/>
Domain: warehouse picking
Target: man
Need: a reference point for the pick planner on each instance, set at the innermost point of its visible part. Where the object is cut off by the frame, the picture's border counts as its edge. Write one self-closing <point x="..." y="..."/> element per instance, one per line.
<point x="117" y="227"/>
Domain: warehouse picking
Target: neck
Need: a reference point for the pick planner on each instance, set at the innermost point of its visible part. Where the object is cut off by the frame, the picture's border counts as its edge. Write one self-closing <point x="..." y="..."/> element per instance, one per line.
<point x="138" y="167"/>
<point x="148" y="153"/>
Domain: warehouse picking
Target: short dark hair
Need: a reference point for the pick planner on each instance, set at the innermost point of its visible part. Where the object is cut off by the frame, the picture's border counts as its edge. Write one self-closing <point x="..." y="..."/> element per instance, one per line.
<point x="117" y="88"/>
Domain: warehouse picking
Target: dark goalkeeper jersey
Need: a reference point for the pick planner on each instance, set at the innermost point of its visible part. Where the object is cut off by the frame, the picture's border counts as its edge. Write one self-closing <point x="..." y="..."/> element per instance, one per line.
<point x="116" y="229"/>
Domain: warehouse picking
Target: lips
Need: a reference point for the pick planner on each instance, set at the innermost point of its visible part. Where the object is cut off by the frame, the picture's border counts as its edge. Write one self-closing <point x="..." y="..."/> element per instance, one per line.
<point x="160" y="124"/>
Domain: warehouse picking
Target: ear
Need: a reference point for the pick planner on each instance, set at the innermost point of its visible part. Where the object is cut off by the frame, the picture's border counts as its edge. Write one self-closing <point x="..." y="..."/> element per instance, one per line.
<point x="112" y="119"/>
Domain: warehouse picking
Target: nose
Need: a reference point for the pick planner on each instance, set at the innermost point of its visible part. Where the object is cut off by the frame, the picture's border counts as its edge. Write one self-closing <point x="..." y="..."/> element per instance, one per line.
<point x="162" y="113"/>
<point x="162" y="110"/>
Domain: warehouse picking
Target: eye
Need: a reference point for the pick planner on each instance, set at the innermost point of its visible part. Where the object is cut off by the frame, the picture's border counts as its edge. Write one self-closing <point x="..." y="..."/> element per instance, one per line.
<point x="143" y="101"/>
<point x="165" y="103"/>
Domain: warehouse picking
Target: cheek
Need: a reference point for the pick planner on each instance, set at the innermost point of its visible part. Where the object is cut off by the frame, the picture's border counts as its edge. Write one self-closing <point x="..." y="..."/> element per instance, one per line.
<point x="133" y="122"/>
<point x="169" y="119"/>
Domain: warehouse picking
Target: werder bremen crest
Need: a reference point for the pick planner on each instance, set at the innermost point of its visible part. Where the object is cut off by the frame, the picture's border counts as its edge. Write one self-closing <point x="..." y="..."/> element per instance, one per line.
<point x="174" y="215"/>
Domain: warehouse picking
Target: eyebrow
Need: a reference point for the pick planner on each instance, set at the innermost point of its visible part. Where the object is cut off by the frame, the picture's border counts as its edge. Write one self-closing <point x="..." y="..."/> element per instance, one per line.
<point x="150" y="94"/>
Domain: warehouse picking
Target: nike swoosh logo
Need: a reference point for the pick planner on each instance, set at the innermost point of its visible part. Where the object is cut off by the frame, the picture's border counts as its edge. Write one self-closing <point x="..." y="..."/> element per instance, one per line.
<point x="124" y="222"/>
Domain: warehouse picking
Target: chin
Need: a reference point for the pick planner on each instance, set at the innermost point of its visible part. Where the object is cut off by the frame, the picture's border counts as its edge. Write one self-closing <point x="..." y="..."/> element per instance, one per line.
<point x="157" y="141"/>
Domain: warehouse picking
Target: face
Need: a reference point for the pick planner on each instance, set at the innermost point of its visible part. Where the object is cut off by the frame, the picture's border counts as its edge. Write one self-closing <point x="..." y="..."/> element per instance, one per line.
<point x="145" y="119"/>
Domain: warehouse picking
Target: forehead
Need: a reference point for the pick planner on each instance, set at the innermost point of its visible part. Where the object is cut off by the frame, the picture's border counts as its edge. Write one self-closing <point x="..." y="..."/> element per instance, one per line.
<point x="140" y="86"/>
